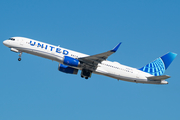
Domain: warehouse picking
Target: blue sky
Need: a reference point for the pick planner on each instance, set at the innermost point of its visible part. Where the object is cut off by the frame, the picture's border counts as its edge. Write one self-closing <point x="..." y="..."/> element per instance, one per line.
<point x="35" y="89"/>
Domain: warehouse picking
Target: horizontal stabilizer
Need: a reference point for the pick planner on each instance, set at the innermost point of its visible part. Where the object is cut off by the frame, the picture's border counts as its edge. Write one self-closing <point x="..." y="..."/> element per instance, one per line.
<point x="159" y="78"/>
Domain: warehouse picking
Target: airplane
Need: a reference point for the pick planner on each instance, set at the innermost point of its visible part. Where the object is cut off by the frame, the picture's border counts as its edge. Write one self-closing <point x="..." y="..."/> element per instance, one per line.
<point x="71" y="62"/>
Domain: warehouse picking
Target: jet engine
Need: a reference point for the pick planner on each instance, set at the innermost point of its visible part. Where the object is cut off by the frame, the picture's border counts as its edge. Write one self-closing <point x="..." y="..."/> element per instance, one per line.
<point x="71" y="61"/>
<point x="66" y="69"/>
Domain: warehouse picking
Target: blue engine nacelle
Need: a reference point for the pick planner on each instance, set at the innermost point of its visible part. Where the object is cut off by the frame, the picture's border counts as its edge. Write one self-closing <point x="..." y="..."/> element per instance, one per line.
<point x="71" y="61"/>
<point x="66" y="69"/>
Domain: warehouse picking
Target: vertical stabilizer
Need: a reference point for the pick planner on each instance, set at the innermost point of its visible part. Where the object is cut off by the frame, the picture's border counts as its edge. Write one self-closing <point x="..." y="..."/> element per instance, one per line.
<point x="158" y="66"/>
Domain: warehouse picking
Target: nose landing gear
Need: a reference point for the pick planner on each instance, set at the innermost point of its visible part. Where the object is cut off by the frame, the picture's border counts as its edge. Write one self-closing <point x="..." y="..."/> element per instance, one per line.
<point x="19" y="59"/>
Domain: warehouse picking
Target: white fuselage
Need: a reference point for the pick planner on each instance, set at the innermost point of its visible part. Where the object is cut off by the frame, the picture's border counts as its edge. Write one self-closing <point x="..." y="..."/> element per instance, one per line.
<point x="56" y="53"/>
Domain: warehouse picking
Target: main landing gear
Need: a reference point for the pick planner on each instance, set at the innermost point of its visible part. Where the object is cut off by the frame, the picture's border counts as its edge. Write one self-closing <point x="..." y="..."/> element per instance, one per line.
<point x="86" y="73"/>
<point x="84" y="77"/>
<point x="19" y="59"/>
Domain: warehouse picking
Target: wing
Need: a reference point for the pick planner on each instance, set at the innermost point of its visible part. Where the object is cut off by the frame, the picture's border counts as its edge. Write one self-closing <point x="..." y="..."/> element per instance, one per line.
<point x="93" y="60"/>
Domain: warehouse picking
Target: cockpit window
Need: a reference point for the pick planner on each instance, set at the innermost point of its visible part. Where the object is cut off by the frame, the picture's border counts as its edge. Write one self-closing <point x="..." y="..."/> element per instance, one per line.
<point x="11" y="39"/>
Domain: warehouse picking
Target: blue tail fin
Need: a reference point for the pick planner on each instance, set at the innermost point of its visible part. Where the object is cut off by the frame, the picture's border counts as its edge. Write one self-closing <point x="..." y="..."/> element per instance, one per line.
<point x="158" y="66"/>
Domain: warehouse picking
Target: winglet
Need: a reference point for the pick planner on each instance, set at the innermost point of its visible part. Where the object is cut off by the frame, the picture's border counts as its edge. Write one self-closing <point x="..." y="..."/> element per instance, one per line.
<point x="116" y="47"/>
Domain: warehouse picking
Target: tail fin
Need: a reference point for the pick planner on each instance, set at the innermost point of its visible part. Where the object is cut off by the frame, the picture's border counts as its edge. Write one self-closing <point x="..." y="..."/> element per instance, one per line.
<point x="158" y="66"/>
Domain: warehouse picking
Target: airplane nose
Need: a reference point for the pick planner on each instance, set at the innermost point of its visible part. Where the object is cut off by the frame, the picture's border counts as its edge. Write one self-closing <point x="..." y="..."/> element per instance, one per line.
<point x="5" y="42"/>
